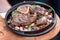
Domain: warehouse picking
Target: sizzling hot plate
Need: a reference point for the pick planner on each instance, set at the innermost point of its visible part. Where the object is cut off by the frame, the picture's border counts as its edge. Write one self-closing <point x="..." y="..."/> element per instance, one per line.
<point x="37" y="32"/>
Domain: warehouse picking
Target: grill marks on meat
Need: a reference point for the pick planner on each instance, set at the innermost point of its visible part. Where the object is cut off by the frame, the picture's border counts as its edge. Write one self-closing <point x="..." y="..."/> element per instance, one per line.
<point x="38" y="9"/>
<point x="22" y="19"/>
<point x="26" y="18"/>
<point x="33" y="17"/>
<point x="42" y="20"/>
<point x="28" y="15"/>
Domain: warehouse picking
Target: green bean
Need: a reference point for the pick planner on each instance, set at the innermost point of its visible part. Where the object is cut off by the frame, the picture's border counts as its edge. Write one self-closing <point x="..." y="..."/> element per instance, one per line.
<point x="30" y="26"/>
<point x="50" y="10"/>
<point x="14" y="13"/>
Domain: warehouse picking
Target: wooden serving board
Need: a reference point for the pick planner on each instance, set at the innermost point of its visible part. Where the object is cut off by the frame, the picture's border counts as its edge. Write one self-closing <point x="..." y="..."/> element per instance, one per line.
<point x="6" y="34"/>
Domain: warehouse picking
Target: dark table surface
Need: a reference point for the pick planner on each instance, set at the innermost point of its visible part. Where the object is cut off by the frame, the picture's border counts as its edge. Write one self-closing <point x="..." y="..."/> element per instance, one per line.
<point x="57" y="37"/>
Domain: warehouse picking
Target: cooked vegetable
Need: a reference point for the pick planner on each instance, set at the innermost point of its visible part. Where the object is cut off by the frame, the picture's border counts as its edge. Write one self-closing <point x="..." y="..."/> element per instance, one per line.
<point x="40" y="17"/>
<point x="21" y="28"/>
<point x="46" y="13"/>
<point x="25" y="29"/>
<point x="30" y="17"/>
<point x="8" y="21"/>
<point x="16" y="28"/>
<point x="33" y="5"/>
<point x="49" y="20"/>
<point x="14" y="13"/>
<point x="30" y="26"/>
<point x="50" y="10"/>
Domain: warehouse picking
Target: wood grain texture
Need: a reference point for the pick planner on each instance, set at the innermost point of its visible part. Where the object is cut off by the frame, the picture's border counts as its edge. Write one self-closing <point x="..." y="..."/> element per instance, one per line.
<point x="6" y="34"/>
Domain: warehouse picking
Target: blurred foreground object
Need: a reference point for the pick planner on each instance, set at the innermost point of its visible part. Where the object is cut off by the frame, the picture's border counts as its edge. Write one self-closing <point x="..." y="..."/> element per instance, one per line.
<point x="4" y="6"/>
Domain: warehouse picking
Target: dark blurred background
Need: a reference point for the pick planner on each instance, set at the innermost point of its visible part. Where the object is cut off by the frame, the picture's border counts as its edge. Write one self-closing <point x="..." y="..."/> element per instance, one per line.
<point x="54" y="3"/>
